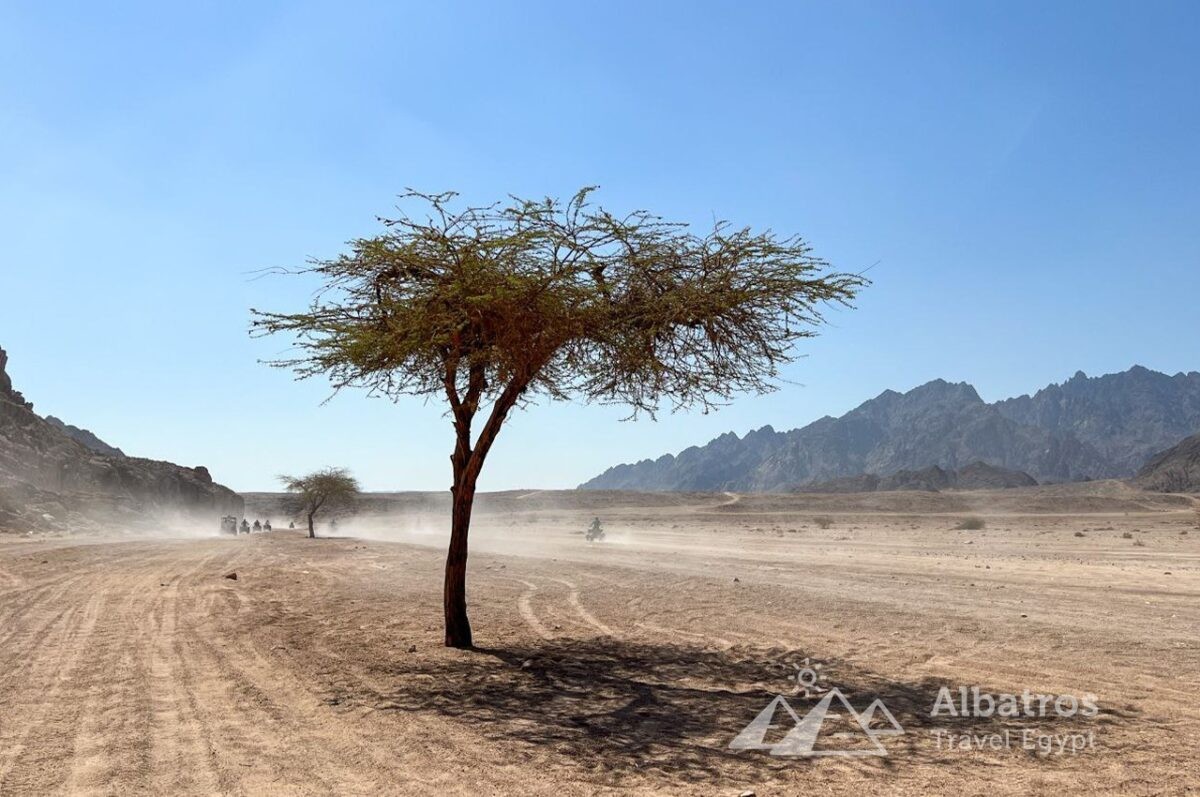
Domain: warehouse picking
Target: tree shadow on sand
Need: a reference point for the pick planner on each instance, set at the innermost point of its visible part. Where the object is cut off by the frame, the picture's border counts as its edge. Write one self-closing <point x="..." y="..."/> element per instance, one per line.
<point x="625" y="707"/>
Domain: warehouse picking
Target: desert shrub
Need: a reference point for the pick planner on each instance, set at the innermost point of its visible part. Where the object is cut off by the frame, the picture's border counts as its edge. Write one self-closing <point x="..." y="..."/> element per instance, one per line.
<point x="1139" y="544"/>
<point x="1126" y="535"/>
<point x="1080" y="534"/>
<point x="823" y="521"/>
<point x="971" y="524"/>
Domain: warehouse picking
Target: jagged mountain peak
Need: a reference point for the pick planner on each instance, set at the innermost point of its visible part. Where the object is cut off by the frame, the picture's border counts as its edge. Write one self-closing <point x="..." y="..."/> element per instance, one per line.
<point x="1085" y="427"/>
<point x="936" y="390"/>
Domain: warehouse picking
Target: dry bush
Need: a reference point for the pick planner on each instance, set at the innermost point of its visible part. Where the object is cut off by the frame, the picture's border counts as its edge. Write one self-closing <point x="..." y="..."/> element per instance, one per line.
<point x="971" y="524"/>
<point x="823" y="521"/>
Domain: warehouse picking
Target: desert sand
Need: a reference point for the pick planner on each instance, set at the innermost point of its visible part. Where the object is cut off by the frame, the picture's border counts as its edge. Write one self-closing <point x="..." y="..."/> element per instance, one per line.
<point x="134" y="665"/>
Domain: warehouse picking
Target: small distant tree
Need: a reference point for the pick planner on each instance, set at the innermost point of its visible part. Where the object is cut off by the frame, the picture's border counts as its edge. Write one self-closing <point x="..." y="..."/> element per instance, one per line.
<point x="492" y="307"/>
<point x="326" y="489"/>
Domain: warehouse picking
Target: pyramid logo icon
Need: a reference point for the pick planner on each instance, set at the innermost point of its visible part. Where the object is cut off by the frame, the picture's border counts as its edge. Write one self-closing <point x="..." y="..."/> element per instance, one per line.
<point x="832" y="727"/>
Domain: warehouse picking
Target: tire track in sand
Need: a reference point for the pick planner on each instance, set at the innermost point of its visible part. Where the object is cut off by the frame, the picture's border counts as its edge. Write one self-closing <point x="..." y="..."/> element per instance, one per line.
<point x="525" y="607"/>
<point x="677" y="632"/>
<point x="588" y="617"/>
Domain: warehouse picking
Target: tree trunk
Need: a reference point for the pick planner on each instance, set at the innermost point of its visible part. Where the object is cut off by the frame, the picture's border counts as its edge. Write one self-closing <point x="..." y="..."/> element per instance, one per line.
<point x="454" y="594"/>
<point x="466" y="463"/>
<point x="312" y="530"/>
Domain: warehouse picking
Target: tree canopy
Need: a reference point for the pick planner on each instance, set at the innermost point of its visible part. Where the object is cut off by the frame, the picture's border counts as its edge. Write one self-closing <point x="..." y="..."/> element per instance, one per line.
<point x="561" y="299"/>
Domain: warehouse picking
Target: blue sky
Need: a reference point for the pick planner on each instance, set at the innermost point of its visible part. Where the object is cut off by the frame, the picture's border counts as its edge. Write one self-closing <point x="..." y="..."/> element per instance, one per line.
<point x="1026" y="176"/>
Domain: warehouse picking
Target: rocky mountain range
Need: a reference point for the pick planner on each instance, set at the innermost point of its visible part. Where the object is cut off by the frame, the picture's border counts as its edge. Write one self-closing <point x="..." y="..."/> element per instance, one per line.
<point x="1085" y="428"/>
<point x="56" y="476"/>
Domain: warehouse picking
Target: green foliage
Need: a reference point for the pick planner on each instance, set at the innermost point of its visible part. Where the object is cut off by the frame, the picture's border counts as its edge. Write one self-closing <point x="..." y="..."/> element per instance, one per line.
<point x="502" y="303"/>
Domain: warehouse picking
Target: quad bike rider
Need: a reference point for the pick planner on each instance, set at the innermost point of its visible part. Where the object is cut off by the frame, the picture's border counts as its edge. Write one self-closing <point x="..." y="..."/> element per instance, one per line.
<point x="266" y="525"/>
<point x="257" y="525"/>
<point x="245" y="526"/>
<point x="595" y="532"/>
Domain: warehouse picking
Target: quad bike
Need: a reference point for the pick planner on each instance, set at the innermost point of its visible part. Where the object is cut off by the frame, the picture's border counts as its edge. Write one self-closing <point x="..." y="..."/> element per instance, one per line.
<point x="595" y="532"/>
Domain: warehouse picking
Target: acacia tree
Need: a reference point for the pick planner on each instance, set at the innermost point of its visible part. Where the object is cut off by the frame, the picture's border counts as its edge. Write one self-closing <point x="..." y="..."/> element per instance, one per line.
<point x="323" y="489"/>
<point x="493" y="307"/>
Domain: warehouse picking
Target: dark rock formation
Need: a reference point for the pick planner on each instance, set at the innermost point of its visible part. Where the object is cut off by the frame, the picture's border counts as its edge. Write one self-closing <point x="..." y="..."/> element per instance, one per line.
<point x="1083" y="429"/>
<point x="976" y="476"/>
<point x="6" y="387"/>
<point x="49" y="477"/>
<point x="1176" y="470"/>
<point x="982" y="476"/>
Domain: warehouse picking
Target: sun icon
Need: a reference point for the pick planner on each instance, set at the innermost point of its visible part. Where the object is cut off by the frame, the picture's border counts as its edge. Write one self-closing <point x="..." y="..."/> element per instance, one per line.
<point x="806" y="677"/>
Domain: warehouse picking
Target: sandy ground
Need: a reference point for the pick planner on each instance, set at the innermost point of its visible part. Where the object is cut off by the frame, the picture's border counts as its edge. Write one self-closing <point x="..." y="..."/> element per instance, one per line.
<point x="133" y="666"/>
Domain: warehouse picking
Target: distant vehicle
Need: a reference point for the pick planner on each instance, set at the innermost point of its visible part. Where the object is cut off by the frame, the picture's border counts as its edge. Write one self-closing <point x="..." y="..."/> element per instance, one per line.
<point x="257" y="525"/>
<point x="266" y="525"/>
<point x="229" y="525"/>
<point x="245" y="526"/>
<point x="595" y="532"/>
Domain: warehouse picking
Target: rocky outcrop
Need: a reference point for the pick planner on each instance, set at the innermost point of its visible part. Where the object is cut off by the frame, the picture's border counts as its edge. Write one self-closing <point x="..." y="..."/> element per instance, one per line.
<point x="982" y="476"/>
<point x="45" y="472"/>
<point x="6" y="386"/>
<point x="1176" y="470"/>
<point x="1084" y="429"/>
<point x="976" y="476"/>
